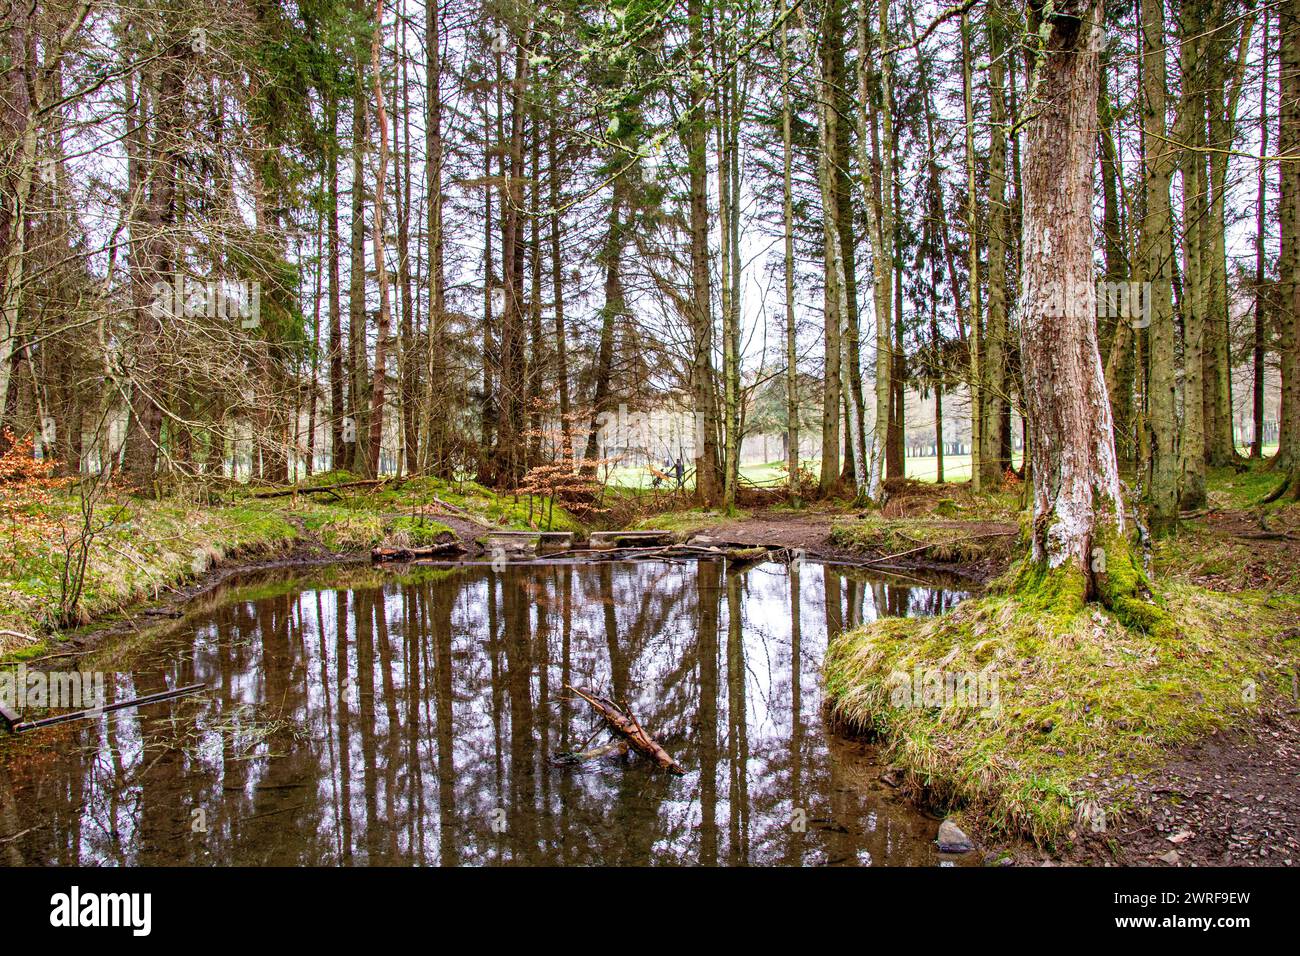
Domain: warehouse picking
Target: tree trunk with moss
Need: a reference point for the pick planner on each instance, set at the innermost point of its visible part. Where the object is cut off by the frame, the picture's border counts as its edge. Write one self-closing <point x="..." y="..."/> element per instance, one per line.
<point x="1077" y="504"/>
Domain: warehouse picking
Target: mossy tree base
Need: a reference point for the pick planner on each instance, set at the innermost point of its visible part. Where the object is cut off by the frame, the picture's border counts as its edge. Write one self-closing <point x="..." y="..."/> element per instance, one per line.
<point x="1114" y="578"/>
<point x="1287" y="490"/>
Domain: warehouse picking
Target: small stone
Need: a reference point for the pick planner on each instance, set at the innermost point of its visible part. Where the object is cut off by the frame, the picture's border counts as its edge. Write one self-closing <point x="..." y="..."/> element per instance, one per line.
<point x="952" y="839"/>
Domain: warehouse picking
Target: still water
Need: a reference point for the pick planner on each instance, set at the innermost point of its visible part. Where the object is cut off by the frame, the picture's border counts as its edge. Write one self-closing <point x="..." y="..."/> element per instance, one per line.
<point x="363" y="717"/>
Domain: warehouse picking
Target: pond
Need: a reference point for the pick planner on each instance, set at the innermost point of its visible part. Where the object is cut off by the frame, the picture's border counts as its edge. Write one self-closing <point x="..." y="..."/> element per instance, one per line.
<point x="419" y="717"/>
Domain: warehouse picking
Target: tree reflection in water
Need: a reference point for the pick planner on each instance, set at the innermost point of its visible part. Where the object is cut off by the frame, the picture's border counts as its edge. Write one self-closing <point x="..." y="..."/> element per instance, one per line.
<point x="371" y="718"/>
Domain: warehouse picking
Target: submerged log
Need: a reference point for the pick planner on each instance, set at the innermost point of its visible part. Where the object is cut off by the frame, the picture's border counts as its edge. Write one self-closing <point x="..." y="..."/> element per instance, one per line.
<point x="91" y="712"/>
<point x="618" y="748"/>
<point x="626" y="726"/>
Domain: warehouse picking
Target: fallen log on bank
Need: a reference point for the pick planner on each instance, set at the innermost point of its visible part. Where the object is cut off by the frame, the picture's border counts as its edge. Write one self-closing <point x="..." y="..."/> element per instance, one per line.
<point x="320" y="489"/>
<point x="625" y="725"/>
<point x="380" y="555"/>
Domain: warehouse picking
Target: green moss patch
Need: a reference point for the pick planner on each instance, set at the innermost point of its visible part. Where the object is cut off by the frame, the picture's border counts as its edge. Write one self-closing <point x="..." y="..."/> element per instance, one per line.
<point x="1080" y="694"/>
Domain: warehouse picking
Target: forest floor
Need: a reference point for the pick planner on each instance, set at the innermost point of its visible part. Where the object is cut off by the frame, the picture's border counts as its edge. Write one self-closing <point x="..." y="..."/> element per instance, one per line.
<point x="1207" y="779"/>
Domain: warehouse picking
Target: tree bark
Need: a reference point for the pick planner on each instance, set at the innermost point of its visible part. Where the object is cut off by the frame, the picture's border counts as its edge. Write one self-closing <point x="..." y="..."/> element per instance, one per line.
<point x="1077" y="504"/>
<point x="377" y="390"/>
<point x="1155" y="256"/>
<point x="975" y="341"/>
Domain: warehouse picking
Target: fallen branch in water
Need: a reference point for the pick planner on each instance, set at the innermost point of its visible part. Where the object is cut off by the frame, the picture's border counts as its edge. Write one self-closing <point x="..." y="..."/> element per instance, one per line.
<point x="618" y="748"/>
<point x="626" y="726"/>
<point x="24" y="726"/>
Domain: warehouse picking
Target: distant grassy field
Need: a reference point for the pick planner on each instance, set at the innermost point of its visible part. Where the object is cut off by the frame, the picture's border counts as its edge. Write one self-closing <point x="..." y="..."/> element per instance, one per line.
<point x="925" y="468"/>
<point x="921" y="468"/>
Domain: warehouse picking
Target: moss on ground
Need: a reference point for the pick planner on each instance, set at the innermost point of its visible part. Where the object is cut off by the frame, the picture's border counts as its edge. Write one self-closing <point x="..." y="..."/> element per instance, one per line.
<point x="508" y="511"/>
<point x="146" y="546"/>
<point x="1080" y="693"/>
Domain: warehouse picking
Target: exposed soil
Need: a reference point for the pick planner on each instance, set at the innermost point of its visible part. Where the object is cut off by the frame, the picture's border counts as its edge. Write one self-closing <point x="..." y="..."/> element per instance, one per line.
<point x="1229" y="800"/>
<point x="1268" y="544"/>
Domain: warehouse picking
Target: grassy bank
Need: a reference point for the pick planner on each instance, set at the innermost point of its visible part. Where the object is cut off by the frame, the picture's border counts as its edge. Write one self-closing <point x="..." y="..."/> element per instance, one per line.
<point x="140" y="547"/>
<point x="1083" y="701"/>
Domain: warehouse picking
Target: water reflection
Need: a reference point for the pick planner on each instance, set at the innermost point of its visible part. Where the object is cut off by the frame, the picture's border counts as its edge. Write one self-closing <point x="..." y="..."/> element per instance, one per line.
<point x="378" y="719"/>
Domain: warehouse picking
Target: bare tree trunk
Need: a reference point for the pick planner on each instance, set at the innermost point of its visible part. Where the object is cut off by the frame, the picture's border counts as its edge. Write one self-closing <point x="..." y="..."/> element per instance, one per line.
<point x="408" y="369"/>
<point x="975" y="342"/>
<point x="707" y="480"/>
<point x="1224" y="94"/>
<point x="831" y="389"/>
<point x="337" y="457"/>
<point x="17" y="168"/>
<point x="1288" y="451"/>
<point x="557" y="290"/>
<point x="155" y="263"/>
<point x="991" y="463"/>
<point x="1261" y="226"/>
<point x="879" y="201"/>
<point x="787" y="220"/>
<point x="1117" y="334"/>
<point x="1155" y="256"/>
<point x="377" y="390"/>
<point x="357" y="358"/>
<point x="1191" y="121"/>
<point x="435" y="424"/>
<point x="1077" y="504"/>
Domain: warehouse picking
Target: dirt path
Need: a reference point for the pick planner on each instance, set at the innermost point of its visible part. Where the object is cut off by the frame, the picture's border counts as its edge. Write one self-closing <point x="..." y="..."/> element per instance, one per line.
<point x="1226" y="801"/>
<point x="811" y="534"/>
